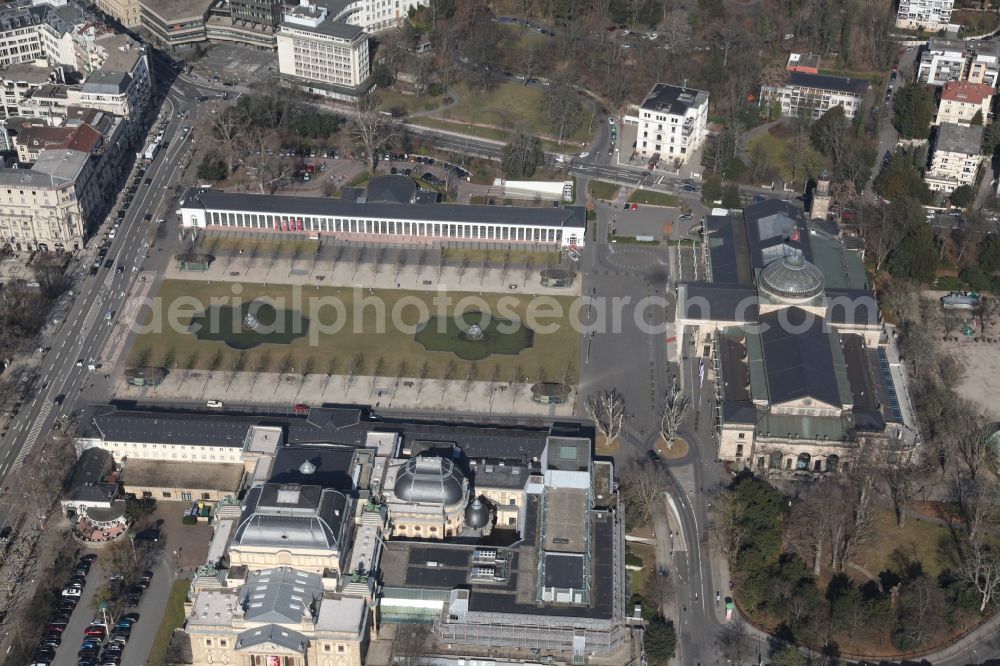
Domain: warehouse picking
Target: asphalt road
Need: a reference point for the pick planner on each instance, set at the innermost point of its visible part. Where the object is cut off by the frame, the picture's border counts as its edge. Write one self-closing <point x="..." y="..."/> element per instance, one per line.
<point x="83" y="331"/>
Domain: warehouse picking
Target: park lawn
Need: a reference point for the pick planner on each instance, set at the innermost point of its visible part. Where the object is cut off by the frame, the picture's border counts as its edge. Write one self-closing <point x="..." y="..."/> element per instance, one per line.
<point x="776" y="152"/>
<point x="654" y="198"/>
<point x="602" y="190"/>
<point x="511" y="106"/>
<point x="918" y="539"/>
<point x="173" y="617"/>
<point x="392" y="99"/>
<point x="461" y="127"/>
<point x="389" y="349"/>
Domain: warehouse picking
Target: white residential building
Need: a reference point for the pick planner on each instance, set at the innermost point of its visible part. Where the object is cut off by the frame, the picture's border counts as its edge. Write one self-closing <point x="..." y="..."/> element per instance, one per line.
<point x="956" y="158"/>
<point x="35" y="32"/>
<point x="807" y="95"/>
<point x="323" y="56"/>
<point x="962" y="100"/>
<point x="944" y="60"/>
<point x="672" y="123"/>
<point x="48" y="206"/>
<point x="924" y="14"/>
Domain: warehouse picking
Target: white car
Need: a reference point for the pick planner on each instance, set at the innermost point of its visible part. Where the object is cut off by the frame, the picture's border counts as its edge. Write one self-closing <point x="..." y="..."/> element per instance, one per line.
<point x="584" y="154"/>
<point x="611" y="120"/>
<point x="214" y="404"/>
<point x="71" y="592"/>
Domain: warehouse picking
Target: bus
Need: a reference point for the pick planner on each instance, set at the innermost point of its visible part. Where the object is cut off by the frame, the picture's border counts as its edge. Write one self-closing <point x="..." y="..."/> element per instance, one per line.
<point x="151" y="151"/>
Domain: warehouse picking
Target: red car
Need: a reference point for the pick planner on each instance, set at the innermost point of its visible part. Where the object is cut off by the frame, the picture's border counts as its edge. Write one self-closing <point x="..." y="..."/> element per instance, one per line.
<point x="635" y="206"/>
<point x="96" y="631"/>
<point x="301" y="409"/>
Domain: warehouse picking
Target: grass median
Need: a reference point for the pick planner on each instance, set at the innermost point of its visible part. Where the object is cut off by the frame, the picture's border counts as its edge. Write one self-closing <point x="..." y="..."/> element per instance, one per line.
<point x="173" y="618"/>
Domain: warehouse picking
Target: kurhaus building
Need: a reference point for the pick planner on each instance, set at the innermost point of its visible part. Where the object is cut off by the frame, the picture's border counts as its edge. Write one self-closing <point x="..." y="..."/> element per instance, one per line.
<point x="501" y="538"/>
<point x="374" y="221"/>
<point x="790" y="333"/>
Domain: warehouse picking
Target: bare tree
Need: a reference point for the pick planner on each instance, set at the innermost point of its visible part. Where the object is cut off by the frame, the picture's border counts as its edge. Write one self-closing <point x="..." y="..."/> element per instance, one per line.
<point x="229" y="128"/>
<point x="401" y="259"/>
<point x="239" y="363"/>
<point x="470" y="378"/>
<point x="675" y="407"/>
<point x="607" y="410"/>
<point x="308" y="367"/>
<point x="644" y="485"/>
<point x="352" y="371"/>
<point x="374" y="371"/>
<point x="331" y="370"/>
<point x="370" y="128"/>
<point x="733" y="641"/>
<point x="261" y="363"/>
<point x="447" y="376"/>
<point x="982" y="569"/>
<point x="425" y="369"/>
<point x="284" y="366"/>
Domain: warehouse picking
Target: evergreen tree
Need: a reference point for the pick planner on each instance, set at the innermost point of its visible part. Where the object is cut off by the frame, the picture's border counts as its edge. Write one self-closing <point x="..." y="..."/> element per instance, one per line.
<point x="977" y="120"/>
<point x="915" y="258"/>
<point x="914" y="110"/>
<point x="660" y="640"/>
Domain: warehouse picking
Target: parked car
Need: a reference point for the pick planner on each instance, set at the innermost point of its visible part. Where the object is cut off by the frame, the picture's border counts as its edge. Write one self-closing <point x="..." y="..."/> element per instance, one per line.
<point x="301" y="408"/>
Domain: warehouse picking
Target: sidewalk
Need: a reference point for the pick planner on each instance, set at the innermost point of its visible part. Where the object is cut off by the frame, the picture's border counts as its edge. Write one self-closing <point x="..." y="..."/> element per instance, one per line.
<point x="241" y="389"/>
<point x="322" y="271"/>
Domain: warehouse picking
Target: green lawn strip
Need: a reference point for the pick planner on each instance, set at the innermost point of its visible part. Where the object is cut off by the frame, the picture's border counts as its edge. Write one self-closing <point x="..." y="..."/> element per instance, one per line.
<point x="551" y="351"/>
<point x="173" y="617"/>
<point x="509" y="105"/>
<point x="654" y="198"/>
<point x="392" y="99"/>
<point x="602" y="190"/>
<point x="776" y="151"/>
<point x="917" y="539"/>
<point x="461" y="128"/>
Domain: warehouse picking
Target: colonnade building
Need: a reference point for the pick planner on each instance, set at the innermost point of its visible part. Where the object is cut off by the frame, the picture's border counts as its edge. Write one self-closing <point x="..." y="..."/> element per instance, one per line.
<point x="375" y="222"/>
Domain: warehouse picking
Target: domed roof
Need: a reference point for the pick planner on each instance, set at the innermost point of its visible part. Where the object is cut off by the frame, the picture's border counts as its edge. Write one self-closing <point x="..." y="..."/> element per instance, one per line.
<point x="477" y="514"/>
<point x="429" y="480"/>
<point x="791" y="278"/>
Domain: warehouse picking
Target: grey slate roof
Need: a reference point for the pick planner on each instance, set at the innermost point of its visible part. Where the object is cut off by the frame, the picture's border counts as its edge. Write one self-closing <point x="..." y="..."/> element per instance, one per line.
<point x="282" y="595"/>
<point x="293" y="517"/>
<point x="954" y="138"/>
<point x="825" y="82"/>
<point x="110" y="424"/>
<point x="675" y="100"/>
<point x="391" y="189"/>
<point x="331" y="466"/>
<point x="719" y="301"/>
<point x="798" y="358"/>
<point x="270" y="633"/>
<point x="570" y="216"/>
<point x="88" y="473"/>
<point x="106" y="83"/>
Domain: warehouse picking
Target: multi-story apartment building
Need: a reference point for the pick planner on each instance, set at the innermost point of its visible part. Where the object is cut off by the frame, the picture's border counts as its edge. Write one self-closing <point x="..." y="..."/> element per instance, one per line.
<point x="126" y="12"/>
<point x="323" y="56"/>
<point x="673" y="123"/>
<point x="120" y="84"/>
<point x="924" y="14"/>
<point x="34" y="32"/>
<point x="944" y="60"/>
<point x="19" y="80"/>
<point x="812" y="95"/>
<point x="962" y="100"/>
<point x="956" y="157"/>
<point x="50" y="205"/>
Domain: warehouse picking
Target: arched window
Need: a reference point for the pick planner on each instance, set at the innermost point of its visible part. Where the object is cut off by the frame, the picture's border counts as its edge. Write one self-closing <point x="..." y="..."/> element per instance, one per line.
<point x="802" y="462"/>
<point x="832" y="462"/>
<point x="775" y="460"/>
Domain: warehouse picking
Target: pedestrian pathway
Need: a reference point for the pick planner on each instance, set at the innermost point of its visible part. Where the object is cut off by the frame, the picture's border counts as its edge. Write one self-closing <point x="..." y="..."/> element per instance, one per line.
<point x="247" y="389"/>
